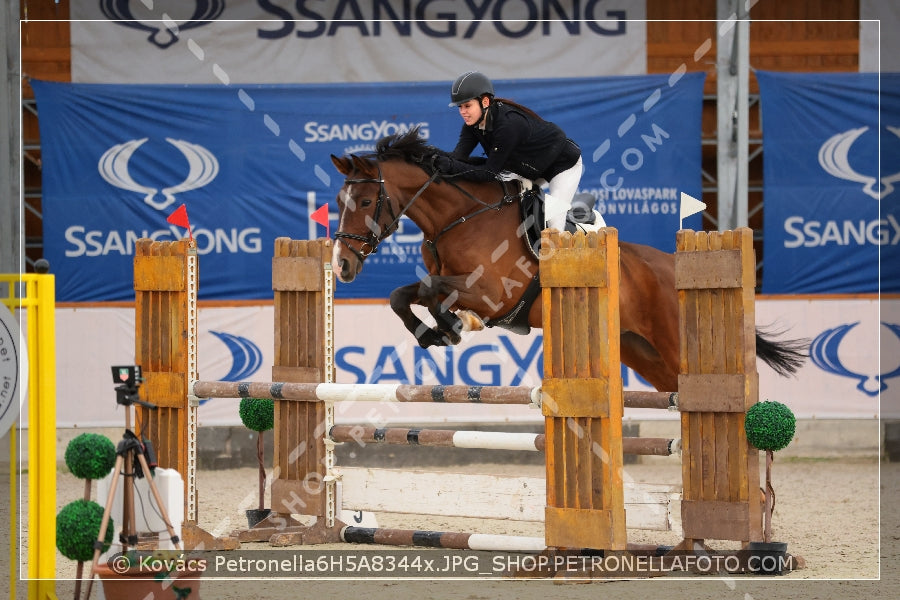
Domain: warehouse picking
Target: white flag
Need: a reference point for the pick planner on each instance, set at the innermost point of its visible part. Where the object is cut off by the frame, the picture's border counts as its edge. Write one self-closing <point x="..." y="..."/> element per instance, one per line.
<point x="689" y="206"/>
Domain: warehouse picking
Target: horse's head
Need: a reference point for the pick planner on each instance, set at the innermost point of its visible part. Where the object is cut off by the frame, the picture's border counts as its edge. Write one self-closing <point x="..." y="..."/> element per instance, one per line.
<point x="365" y="215"/>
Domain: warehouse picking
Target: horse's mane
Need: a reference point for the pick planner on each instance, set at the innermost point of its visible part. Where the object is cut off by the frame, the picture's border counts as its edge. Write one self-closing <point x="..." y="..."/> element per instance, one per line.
<point x="406" y="146"/>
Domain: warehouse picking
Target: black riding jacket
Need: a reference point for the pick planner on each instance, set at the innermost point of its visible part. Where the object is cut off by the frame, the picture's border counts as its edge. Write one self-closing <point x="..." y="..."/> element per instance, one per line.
<point x="513" y="141"/>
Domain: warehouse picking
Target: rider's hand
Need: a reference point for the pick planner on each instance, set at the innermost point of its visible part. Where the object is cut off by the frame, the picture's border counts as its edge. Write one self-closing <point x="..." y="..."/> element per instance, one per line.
<point x="444" y="164"/>
<point x="510" y="176"/>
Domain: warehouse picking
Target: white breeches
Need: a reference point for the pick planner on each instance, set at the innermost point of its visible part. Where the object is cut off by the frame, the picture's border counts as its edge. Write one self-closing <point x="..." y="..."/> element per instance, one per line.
<point x="562" y="189"/>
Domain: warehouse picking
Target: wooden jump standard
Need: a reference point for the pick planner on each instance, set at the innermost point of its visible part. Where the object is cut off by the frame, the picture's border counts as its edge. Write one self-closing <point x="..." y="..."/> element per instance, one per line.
<point x="715" y="275"/>
<point x="581" y="396"/>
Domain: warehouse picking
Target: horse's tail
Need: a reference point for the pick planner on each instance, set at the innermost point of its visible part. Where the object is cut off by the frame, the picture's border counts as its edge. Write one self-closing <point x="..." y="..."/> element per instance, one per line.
<point x="784" y="356"/>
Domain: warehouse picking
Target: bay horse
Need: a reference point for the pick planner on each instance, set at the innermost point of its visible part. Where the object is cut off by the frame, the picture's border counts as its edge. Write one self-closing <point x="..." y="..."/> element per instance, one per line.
<point x="479" y="261"/>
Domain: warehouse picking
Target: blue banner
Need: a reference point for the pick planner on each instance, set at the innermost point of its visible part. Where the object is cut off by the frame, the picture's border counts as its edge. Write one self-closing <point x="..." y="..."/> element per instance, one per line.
<point x="832" y="211"/>
<point x="251" y="163"/>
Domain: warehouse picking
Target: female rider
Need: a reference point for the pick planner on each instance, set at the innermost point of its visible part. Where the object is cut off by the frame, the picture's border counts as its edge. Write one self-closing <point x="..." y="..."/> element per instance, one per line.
<point x="515" y="139"/>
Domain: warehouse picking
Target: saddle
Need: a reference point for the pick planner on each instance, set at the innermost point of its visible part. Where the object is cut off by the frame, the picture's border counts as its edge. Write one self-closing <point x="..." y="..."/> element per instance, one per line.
<point x="531" y="209"/>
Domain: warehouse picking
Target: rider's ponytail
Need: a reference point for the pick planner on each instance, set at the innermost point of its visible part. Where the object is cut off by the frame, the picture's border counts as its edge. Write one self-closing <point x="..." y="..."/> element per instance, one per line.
<point x="518" y="106"/>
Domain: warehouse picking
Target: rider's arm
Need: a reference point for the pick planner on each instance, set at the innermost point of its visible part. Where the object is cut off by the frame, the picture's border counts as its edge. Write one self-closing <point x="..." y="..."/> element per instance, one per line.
<point x="505" y="137"/>
<point x="466" y="143"/>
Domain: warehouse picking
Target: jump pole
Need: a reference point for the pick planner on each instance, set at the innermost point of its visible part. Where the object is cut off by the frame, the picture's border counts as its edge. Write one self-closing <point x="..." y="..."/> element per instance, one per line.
<point x="387" y="392"/>
<point x="485" y="440"/>
<point x="442" y="539"/>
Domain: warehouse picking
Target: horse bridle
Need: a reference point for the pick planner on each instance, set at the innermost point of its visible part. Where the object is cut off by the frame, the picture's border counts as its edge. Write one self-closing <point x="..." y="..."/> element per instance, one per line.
<point x="374" y="239"/>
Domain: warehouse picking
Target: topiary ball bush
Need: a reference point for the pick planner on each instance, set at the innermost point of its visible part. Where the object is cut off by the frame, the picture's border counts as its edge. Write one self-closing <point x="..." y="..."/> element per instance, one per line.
<point x="90" y="456"/>
<point x="257" y="414"/>
<point x="770" y="425"/>
<point x="77" y="528"/>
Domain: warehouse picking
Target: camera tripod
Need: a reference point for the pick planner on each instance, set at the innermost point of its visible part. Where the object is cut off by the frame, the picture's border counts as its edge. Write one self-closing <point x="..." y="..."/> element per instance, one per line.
<point x="130" y="455"/>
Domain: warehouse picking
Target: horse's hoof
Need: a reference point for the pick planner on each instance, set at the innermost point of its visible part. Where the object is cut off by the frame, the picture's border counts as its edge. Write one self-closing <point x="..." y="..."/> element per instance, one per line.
<point x="470" y="321"/>
<point x="430" y="337"/>
<point x="450" y="336"/>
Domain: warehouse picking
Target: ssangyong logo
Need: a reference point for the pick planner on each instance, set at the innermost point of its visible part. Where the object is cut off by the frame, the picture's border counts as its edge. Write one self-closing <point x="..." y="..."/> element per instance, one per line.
<point x="163" y="29"/>
<point x="115" y="166"/>
<point x="825" y="354"/>
<point x="369" y="131"/>
<point x="834" y="158"/>
<point x="246" y="357"/>
<point x="203" y="168"/>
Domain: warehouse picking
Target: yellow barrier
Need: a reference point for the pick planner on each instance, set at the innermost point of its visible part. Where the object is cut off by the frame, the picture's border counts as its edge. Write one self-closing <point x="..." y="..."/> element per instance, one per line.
<point x="35" y="296"/>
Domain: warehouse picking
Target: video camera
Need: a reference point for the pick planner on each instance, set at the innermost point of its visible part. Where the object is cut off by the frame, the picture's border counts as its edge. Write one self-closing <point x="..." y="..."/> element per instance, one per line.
<point x="130" y="380"/>
<point x="128" y="375"/>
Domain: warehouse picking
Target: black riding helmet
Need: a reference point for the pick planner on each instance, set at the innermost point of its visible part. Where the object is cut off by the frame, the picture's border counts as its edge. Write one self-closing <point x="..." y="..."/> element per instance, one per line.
<point x="468" y="86"/>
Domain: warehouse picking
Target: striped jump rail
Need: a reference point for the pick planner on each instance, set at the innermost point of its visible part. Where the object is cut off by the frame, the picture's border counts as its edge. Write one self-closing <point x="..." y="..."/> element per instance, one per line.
<point x="460" y="540"/>
<point x="442" y="539"/>
<point x="484" y="440"/>
<point x="380" y="392"/>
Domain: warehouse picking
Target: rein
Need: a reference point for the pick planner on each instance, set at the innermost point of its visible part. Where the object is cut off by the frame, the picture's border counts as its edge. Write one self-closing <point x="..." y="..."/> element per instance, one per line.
<point x="432" y="244"/>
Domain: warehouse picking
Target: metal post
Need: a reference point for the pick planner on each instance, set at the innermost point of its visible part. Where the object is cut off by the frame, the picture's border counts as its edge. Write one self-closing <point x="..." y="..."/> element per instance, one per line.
<point x="45" y="463"/>
<point x="11" y="251"/>
<point x="733" y="71"/>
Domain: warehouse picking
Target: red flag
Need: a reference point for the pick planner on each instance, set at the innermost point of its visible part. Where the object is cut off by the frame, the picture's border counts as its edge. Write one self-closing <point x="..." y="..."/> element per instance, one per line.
<point x="320" y="216"/>
<point x="180" y="218"/>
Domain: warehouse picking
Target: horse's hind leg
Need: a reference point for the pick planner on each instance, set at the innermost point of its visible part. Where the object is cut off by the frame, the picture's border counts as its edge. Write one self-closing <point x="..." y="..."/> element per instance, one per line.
<point x="638" y="354"/>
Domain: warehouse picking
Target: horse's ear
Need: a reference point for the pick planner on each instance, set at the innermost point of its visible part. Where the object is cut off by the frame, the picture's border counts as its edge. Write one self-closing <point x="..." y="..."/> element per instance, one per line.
<point x="343" y="164"/>
<point x="362" y="165"/>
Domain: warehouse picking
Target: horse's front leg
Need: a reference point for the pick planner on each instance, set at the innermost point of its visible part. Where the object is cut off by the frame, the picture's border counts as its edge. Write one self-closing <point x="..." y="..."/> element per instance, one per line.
<point x="402" y="300"/>
<point x="440" y="294"/>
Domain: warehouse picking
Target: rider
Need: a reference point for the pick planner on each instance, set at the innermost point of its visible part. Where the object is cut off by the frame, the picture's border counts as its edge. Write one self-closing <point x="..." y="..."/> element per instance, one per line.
<point x="515" y="139"/>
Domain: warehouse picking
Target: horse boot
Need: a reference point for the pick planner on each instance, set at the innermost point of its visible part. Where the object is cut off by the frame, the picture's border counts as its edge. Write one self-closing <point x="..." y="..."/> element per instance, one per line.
<point x="450" y="325"/>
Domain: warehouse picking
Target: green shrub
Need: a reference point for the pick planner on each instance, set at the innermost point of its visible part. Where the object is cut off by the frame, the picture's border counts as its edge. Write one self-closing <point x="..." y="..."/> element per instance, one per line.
<point x="77" y="528"/>
<point x="90" y="456"/>
<point x="257" y="414"/>
<point x="770" y="425"/>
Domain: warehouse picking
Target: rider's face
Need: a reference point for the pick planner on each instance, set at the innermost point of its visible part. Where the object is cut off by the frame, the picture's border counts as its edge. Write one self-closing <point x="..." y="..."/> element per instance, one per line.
<point x="470" y="110"/>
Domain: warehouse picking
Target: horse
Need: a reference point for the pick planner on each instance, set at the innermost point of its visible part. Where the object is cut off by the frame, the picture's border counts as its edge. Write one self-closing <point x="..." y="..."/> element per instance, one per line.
<point x="480" y="263"/>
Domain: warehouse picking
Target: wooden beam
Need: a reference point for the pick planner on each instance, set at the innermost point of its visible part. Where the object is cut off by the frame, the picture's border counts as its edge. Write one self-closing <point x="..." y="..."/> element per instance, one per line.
<point x="647" y="506"/>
